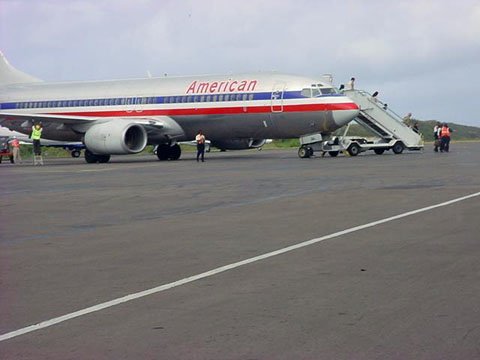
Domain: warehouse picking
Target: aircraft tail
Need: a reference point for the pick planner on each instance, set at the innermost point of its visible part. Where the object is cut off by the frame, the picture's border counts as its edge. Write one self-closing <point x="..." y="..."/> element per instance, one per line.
<point x="10" y="75"/>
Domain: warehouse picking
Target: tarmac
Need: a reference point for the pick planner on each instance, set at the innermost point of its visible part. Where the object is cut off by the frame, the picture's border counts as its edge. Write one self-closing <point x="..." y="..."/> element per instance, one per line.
<point x="392" y="271"/>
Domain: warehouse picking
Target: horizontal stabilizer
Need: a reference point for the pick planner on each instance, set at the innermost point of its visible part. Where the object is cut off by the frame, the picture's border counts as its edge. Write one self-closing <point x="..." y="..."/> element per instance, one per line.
<point x="9" y="75"/>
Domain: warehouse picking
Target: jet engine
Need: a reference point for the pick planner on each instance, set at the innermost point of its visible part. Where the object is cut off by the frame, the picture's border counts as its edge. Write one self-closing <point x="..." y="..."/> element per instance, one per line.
<point x="116" y="137"/>
<point x="238" y="144"/>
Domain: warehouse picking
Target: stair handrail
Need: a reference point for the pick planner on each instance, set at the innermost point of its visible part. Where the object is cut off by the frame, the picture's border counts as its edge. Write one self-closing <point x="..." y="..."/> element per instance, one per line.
<point x="377" y="102"/>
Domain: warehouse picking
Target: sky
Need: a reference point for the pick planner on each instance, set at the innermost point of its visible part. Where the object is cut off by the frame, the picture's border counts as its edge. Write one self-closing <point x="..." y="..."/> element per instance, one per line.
<point x="422" y="56"/>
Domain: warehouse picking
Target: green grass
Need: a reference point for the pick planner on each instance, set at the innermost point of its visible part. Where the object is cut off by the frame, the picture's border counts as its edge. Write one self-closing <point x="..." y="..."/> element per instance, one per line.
<point x="460" y="133"/>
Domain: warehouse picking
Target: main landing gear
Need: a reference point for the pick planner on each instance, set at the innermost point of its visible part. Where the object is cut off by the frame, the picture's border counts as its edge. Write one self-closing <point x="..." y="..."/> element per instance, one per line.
<point x="167" y="152"/>
<point x="92" y="158"/>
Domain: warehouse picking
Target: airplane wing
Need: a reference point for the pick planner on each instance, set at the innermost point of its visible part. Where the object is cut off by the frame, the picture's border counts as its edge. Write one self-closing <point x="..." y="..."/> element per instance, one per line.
<point x="157" y="127"/>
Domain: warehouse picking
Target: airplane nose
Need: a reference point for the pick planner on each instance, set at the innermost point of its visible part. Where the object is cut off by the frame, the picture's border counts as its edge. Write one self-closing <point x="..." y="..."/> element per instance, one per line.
<point x="344" y="116"/>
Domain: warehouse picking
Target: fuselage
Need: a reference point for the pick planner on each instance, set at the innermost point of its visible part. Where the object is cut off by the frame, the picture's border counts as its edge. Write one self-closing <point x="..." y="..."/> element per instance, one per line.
<point x="261" y="105"/>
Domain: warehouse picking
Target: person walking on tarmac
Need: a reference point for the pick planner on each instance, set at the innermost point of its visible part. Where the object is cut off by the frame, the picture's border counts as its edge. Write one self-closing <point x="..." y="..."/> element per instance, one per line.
<point x="445" y="138"/>
<point x="436" y="136"/>
<point x="37" y="151"/>
<point x="17" y="159"/>
<point x="200" y="139"/>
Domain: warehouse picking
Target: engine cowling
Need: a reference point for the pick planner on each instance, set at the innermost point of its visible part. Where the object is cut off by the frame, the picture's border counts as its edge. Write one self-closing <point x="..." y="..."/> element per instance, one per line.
<point x="238" y="144"/>
<point x="116" y="137"/>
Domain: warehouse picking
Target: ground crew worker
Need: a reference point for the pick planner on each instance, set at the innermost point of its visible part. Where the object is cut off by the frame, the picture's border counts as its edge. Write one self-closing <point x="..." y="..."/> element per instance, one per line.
<point x="17" y="159"/>
<point x="445" y="138"/>
<point x="200" y="139"/>
<point x="436" y="136"/>
<point x="37" y="150"/>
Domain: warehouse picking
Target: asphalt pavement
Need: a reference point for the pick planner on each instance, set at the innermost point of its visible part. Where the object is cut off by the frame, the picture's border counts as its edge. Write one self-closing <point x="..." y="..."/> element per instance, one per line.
<point x="393" y="271"/>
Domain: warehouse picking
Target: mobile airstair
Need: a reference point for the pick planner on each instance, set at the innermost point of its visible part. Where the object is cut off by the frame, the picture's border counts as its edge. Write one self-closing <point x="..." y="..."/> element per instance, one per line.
<point x="375" y="116"/>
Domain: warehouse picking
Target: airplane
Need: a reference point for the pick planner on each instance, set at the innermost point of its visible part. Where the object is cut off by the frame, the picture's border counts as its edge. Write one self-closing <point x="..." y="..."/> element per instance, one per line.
<point x="75" y="148"/>
<point x="113" y="117"/>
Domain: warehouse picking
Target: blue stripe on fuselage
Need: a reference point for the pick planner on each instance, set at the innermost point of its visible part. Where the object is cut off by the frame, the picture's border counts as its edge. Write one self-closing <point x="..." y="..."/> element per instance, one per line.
<point x="135" y="101"/>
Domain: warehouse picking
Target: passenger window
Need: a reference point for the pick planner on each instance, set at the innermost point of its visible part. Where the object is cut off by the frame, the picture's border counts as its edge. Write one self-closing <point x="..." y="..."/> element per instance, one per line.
<point x="208" y="98"/>
<point x="202" y="98"/>
<point x="214" y="98"/>
<point x="95" y="102"/>
<point x="227" y="97"/>
<point x="220" y="97"/>
<point x="250" y="97"/>
<point x="245" y="97"/>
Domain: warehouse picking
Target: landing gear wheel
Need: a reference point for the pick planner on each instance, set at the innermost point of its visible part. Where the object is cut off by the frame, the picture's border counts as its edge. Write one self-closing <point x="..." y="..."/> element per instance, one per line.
<point x="304" y="152"/>
<point x="333" y="153"/>
<point x="163" y="152"/>
<point x="398" y="148"/>
<point x="90" y="157"/>
<point x="75" y="153"/>
<point x="354" y="150"/>
<point x="102" y="159"/>
<point x="379" y="151"/>
<point x="174" y="152"/>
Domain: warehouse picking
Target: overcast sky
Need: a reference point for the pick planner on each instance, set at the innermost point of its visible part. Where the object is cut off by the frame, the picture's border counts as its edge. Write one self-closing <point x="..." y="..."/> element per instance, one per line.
<point x="423" y="56"/>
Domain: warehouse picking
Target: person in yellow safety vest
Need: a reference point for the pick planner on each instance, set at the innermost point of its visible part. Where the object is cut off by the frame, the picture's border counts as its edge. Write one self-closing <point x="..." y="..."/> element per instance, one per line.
<point x="445" y="138"/>
<point x="36" y="136"/>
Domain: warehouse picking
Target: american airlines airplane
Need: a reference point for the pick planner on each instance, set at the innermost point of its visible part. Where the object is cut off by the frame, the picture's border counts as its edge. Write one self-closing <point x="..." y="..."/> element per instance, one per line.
<point x="123" y="116"/>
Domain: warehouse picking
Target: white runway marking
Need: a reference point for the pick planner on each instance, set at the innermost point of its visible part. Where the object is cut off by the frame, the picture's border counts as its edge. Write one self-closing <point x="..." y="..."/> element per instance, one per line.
<point x="218" y="270"/>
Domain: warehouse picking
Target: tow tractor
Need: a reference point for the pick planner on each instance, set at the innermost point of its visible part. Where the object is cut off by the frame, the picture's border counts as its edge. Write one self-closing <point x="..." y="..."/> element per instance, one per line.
<point x="5" y="149"/>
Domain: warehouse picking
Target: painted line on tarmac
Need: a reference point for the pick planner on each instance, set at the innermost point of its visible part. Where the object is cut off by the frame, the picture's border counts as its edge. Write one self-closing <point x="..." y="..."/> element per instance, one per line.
<point x="138" y="295"/>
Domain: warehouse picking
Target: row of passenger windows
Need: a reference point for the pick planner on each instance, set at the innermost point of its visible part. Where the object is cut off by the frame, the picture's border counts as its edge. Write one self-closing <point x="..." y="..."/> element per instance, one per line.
<point x="90" y="102"/>
<point x="134" y="101"/>
<point x="207" y="98"/>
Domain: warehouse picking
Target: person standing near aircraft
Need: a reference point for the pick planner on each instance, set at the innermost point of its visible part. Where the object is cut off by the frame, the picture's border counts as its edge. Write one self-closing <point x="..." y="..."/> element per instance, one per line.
<point x="17" y="159"/>
<point x="351" y="84"/>
<point x="436" y="136"/>
<point x="37" y="151"/>
<point x="407" y="119"/>
<point x="200" y="139"/>
<point x="445" y="138"/>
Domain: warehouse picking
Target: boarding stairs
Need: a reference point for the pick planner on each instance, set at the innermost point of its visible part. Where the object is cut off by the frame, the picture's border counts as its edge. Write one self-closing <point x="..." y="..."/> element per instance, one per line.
<point x="378" y="118"/>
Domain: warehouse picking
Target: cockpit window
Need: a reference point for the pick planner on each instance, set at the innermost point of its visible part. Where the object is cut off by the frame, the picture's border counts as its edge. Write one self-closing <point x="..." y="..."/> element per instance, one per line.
<point x="328" y="91"/>
<point x="307" y="92"/>
<point x="318" y="90"/>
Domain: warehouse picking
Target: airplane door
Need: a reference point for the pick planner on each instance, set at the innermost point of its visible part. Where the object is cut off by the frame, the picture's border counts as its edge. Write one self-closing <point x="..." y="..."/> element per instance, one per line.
<point x="277" y="97"/>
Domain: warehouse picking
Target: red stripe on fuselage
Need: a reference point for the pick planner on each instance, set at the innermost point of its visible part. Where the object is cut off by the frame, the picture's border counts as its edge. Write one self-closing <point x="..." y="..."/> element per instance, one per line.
<point x="214" y="110"/>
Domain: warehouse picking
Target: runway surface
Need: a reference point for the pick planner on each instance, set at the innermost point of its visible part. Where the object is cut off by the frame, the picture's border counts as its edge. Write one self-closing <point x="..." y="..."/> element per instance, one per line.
<point x="78" y="236"/>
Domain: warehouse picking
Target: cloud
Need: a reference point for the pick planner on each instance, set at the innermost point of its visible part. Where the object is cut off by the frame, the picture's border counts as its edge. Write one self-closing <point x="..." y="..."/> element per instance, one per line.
<point x="381" y="43"/>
